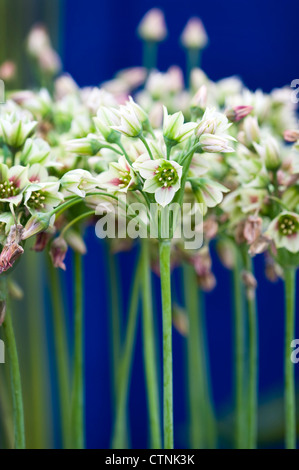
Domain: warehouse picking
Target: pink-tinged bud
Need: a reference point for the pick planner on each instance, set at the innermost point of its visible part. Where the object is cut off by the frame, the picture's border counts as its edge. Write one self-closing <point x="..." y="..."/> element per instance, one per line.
<point x="237" y="113"/>
<point x="65" y="85"/>
<point x="153" y="27"/>
<point x="2" y="311"/>
<point x="41" y="241"/>
<point x="8" y="71"/>
<point x="50" y="62"/>
<point x="180" y="320"/>
<point x="252" y="228"/>
<point x="194" y="35"/>
<point x="199" y="100"/>
<point x="38" y="40"/>
<point x="58" y="252"/>
<point x="291" y="135"/>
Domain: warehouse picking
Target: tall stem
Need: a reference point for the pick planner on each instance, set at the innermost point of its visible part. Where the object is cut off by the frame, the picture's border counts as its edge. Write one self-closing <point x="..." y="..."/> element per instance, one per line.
<point x="124" y="372"/>
<point x="16" y="386"/>
<point x="114" y="317"/>
<point x="239" y="353"/>
<point x="150" y="55"/>
<point x="195" y="361"/>
<point x="253" y="363"/>
<point x="77" y="414"/>
<point x="290" y="406"/>
<point x="61" y="352"/>
<point x="167" y="343"/>
<point x="149" y="349"/>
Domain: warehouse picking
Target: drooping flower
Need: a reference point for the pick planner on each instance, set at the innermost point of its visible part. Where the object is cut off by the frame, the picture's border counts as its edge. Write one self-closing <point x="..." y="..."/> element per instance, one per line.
<point x="105" y="120"/>
<point x="212" y="143"/>
<point x="162" y="177"/>
<point x="58" y="252"/>
<point x="208" y="192"/>
<point x="119" y="177"/>
<point x="12" y="183"/>
<point x="35" y="151"/>
<point x="131" y="119"/>
<point x="78" y="182"/>
<point x="213" y="122"/>
<point x="284" y="231"/>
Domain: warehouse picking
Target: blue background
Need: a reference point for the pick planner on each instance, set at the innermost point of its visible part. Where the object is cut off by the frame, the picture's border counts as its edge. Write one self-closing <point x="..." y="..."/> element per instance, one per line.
<point x="255" y="39"/>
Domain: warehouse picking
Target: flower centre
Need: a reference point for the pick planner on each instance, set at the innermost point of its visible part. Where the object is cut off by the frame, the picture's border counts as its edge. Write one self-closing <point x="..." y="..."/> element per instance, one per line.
<point x="125" y="179"/>
<point x="36" y="200"/>
<point x="8" y="189"/>
<point x="288" y="225"/>
<point x="166" y="176"/>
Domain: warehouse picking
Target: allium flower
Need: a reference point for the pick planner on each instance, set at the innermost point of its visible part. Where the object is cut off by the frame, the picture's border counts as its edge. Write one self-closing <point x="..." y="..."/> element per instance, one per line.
<point x="212" y="143"/>
<point x="213" y="122"/>
<point x="39" y="222"/>
<point x="104" y="122"/>
<point x="237" y="113"/>
<point x="88" y="146"/>
<point x="78" y="182"/>
<point x="174" y="129"/>
<point x="131" y="120"/>
<point x="42" y="197"/>
<point x="12" y="183"/>
<point x="162" y="177"/>
<point x="208" y="192"/>
<point x="35" y="151"/>
<point x="16" y="128"/>
<point x="152" y="27"/>
<point x="284" y="231"/>
<point x="58" y="252"/>
<point x="251" y="131"/>
<point x="270" y="153"/>
<point x="119" y="177"/>
<point x="194" y="35"/>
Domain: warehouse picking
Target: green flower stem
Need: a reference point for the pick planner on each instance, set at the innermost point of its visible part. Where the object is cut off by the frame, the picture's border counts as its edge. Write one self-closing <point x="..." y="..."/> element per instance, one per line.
<point x="197" y="402"/>
<point x="253" y="364"/>
<point x="150" y="55"/>
<point x="75" y="221"/>
<point x="290" y="406"/>
<point x="144" y="141"/>
<point x="61" y="351"/>
<point x="149" y="349"/>
<point x="239" y="353"/>
<point x="115" y="329"/>
<point x="77" y="411"/>
<point x="193" y="61"/>
<point x="165" y="246"/>
<point x="16" y="386"/>
<point x="124" y="372"/>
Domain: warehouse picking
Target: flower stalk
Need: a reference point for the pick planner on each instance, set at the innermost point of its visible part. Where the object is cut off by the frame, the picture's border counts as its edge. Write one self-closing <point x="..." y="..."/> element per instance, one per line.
<point x="167" y="343"/>
<point x="290" y="406"/>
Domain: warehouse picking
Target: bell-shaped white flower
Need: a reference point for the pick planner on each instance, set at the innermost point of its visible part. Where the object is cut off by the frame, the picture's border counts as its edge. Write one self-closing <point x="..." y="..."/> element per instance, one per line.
<point x="162" y="177"/>
<point x="174" y="129"/>
<point x="284" y="231"/>
<point x="16" y="128"/>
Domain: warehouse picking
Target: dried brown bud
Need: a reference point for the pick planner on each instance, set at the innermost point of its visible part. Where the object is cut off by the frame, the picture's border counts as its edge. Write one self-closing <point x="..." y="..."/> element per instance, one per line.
<point x="210" y="228"/>
<point x="58" y="252"/>
<point x="180" y="320"/>
<point x="11" y="250"/>
<point x="207" y="282"/>
<point x="252" y="228"/>
<point x="259" y="245"/>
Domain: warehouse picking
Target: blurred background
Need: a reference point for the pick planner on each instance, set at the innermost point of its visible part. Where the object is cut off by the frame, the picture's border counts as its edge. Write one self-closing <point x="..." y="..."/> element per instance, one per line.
<point x="257" y="41"/>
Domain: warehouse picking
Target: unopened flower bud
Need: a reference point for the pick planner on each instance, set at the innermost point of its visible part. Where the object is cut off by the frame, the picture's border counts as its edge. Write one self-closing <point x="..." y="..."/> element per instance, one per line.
<point x="251" y="130"/>
<point x="88" y="146"/>
<point x="259" y="245"/>
<point x="8" y="71"/>
<point x="226" y="253"/>
<point x="153" y="27"/>
<point x="237" y="113"/>
<point x="194" y="35"/>
<point x="199" y="100"/>
<point x="75" y="241"/>
<point x="39" y="222"/>
<point x="58" y="252"/>
<point x="207" y="282"/>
